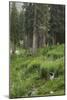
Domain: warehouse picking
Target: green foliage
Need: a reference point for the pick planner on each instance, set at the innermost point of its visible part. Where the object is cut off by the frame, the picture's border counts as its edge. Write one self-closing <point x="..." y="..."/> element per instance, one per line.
<point x="57" y="21"/>
<point x="14" y="32"/>
<point x="44" y="74"/>
<point x="57" y="52"/>
<point x="27" y="72"/>
<point x="54" y="85"/>
<point x="31" y="67"/>
<point x="52" y="51"/>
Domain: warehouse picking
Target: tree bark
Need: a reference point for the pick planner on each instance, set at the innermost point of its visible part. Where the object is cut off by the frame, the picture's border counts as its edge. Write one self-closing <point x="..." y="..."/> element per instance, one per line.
<point x="34" y="32"/>
<point x="54" y="39"/>
<point x="44" y="40"/>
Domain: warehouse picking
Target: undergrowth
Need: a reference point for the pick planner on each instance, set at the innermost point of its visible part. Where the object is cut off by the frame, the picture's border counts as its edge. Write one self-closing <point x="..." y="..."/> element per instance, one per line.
<point x="28" y="72"/>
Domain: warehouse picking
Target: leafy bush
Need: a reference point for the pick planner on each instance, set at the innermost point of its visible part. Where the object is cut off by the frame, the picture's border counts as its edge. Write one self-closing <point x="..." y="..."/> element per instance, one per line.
<point x="42" y="51"/>
<point x="44" y="74"/>
<point x="34" y="66"/>
<point x="56" y="52"/>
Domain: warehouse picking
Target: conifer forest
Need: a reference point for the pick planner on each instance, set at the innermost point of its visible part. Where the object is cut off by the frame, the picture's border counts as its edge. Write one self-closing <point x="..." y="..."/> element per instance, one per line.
<point x="37" y="49"/>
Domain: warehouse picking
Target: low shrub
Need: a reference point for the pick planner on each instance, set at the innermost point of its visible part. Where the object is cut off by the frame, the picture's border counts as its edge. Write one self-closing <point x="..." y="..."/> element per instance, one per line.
<point x="56" y="52"/>
<point x="44" y="74"/>
<point x="34" y="66"/>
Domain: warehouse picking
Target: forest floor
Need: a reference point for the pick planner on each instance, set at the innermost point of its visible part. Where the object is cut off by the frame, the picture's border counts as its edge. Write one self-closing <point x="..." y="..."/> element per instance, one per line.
<point x="30" y="75"/>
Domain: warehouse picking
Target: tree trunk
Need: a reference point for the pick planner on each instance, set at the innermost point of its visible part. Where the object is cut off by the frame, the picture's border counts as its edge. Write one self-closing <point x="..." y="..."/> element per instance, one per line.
<point x="25" y="41"/>
<point x="54" y="39"/>
<point x="34" y="32"/>
<point x="44" y="40"/>
<point x="34" y="43"/>
<point x="12" y="47"/>
<point x="41" y="40"/>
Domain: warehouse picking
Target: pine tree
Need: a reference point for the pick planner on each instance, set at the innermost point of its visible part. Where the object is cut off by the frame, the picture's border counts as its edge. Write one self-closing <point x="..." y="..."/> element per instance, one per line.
<point x="29" y="24"/>
<point x="57" y="23"/>
<point x="14" y="32"/>
<point x="36" y="25"/>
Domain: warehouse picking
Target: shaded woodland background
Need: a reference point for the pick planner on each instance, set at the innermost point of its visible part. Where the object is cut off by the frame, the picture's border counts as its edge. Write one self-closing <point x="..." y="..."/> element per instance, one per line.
<point x="37" y="25"/>
<point x="37" y="43"/>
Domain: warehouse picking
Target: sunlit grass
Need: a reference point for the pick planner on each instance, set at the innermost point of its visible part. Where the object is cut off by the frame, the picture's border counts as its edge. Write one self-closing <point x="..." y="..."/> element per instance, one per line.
<point x="27" y="72"/>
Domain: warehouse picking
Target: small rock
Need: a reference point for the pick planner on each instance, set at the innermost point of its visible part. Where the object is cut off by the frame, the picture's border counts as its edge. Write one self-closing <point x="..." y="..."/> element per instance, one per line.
<point x="51" y="92"/>
<point x="17" y="52"/>
<point x="34" y="92"/>
<point x="51" y="76"/>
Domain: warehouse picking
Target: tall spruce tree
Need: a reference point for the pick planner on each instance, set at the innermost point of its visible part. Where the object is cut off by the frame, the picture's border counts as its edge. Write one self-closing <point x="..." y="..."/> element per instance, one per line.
<point x="57" y="23"/>
<point x="14" y="31"/>
<point x="36" y="25"/>
<point x="42" y="24"/>
<point x="29" y="24"/>
<point x="35" y="22"/>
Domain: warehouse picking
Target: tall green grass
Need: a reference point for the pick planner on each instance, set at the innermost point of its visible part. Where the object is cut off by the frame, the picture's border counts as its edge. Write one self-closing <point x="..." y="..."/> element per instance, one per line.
<point x="27" y="72"/>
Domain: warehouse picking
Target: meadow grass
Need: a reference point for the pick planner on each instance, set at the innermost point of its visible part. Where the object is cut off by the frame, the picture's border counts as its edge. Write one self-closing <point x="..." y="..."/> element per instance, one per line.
<point x="28" y="72"/>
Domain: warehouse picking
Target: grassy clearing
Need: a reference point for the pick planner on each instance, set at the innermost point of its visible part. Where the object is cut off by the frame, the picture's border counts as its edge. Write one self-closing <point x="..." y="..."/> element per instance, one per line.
<point x="29" y="75"/>
<point x="55" y="85"/>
